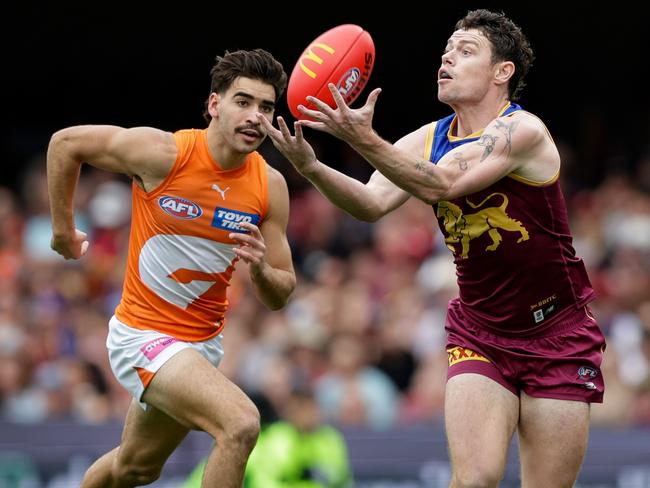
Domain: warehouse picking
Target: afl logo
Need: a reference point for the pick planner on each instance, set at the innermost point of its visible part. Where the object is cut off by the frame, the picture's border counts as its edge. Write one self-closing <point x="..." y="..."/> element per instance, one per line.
<point x="180" y="207"/>
<point x="348" y="81"/>
<point x="587" y="372"/>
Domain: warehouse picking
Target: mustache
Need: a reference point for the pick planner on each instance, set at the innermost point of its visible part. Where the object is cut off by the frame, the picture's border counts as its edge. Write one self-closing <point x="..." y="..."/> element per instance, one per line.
<point x="253" y="127"/>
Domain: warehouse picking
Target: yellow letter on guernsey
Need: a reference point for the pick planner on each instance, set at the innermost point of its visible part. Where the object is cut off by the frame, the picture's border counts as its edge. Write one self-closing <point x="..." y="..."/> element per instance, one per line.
<point x="311" y="55"/>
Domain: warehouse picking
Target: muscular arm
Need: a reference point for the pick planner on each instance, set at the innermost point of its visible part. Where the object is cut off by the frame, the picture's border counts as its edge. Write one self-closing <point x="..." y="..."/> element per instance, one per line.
<point x="143" y="153"/>
<point x="508" y="144"/>
<point x="516" y="144"/>
<point x="366" y="202"/>
<point x="271" y="267"/>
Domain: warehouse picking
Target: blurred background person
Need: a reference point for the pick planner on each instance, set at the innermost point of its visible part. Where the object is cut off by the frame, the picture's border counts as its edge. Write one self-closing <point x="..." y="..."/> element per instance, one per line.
<point x="294" y="450"/>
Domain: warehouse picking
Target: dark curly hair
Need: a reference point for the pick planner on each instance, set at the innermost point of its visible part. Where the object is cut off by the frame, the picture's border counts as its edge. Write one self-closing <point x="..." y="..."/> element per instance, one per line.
<point x="508" y="43"/>
<point x="257" y="64"/>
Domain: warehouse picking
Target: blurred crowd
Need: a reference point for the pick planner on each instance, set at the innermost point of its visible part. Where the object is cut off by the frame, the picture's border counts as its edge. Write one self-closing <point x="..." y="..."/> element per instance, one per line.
<point x="364" y="327"/>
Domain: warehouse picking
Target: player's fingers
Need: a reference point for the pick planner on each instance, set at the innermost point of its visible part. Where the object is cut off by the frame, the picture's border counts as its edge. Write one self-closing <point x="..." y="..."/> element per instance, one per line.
<point x="286" y="133"/>
<point x="241" y="239"/>
<point x="266" y="123"/>
<point x="297" y="127"/>
<point x="338" y="98"/>
<point x="320" y="105"/>
<point x="312" y="124"/>
<point x="277" y="137"/>
<point x="252" y="228"/>
<point x="372" y="98"/>
<point x="313" y="114"/>
<point x="246" y="256"/>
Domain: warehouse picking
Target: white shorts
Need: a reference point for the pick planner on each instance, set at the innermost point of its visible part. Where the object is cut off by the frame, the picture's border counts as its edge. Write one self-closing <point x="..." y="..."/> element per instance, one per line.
<point x="130" y="350"/>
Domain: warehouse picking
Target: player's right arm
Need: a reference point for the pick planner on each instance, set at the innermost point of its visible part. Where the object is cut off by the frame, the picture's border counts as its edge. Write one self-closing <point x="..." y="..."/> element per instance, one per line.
<point x="367" y="202"/>
<point x="143" y="153"/>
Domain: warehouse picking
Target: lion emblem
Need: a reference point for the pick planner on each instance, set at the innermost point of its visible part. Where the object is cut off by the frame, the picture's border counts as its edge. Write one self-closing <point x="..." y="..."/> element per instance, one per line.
<point x="463" y="228"/>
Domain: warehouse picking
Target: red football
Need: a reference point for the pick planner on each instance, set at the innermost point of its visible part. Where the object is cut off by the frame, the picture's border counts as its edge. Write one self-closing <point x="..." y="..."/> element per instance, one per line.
<point x="344" y="55"/>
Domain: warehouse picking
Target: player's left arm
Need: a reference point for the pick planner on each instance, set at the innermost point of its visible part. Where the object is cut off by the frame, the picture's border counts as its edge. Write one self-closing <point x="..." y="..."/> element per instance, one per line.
<point x="517" y="144"/>
<point x="512" y="144"/>
<point x="266" y="248"/>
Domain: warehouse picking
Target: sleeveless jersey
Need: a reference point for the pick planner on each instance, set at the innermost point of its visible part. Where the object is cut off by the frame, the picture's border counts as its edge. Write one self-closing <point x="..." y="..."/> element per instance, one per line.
<point x="180" y="258"/>
<point x="515" y="262"/>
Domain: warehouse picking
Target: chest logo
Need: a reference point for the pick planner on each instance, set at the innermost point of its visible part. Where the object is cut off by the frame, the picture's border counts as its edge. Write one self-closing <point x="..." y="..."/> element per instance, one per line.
<point x="227" y="219"/>
<point x="180" y="208"/>
<point x="462" y="228"/>
<point x="221" y="192"/>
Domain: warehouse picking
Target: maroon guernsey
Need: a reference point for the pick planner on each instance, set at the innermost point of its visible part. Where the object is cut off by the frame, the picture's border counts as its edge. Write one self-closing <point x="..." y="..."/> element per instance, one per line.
<point x="515" y="263"/>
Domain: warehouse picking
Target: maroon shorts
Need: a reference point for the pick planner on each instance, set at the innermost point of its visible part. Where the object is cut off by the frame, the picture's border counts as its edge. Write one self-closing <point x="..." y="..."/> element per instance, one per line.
<point x="562" y="363"/>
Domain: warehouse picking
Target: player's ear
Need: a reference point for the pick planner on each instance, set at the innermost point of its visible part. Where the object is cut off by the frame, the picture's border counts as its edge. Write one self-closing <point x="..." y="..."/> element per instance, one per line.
<point x="503" y="72"/>
<point x="213" y="102"/>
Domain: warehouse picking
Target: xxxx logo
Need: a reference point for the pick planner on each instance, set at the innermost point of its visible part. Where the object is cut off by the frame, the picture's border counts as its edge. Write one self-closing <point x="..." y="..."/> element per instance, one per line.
<point x="310" y="55"/>
<point x="459" y="354"/>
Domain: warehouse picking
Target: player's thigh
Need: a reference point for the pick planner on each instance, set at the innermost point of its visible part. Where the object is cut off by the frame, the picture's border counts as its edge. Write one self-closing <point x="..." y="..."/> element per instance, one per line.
<point x="553" y="438"/>
<point x="480" y="418"/>
<point x="148" y="438"/>
<point x="194" y="392"/>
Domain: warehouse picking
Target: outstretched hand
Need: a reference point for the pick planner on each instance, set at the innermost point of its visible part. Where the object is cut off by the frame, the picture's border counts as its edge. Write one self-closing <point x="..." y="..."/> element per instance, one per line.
<point x="350" y="125"/>
<point x="295" y="148"/>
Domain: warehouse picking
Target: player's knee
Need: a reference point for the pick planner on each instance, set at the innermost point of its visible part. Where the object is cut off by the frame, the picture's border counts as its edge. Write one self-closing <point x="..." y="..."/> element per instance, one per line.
<point x="135" y="474"/>
<point x="476" y="477"/>
<point x="245" y="429"/>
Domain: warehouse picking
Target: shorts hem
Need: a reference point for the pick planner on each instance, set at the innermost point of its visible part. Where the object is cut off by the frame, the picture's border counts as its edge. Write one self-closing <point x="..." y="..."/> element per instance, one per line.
<point x="128" y="349"/>
<point x="483" y="369"/>
<point x="565" y="396"/>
